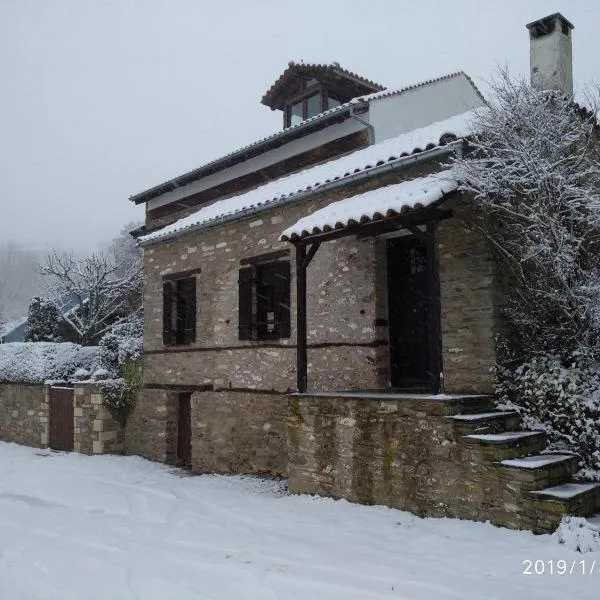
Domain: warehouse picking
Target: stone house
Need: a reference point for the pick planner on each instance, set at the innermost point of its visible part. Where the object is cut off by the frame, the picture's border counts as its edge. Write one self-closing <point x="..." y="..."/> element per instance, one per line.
<point x="316" y="307"/>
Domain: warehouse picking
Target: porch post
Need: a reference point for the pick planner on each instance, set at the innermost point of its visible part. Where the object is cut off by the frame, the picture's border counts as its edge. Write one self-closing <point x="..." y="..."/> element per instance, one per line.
<point x="435" y="332"/>
<point x="301" y="352"/>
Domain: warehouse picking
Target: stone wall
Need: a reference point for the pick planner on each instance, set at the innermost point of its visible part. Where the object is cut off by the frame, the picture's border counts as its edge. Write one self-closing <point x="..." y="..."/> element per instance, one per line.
<point x="24" y="418"/>
<point x="23" y="414"/>
<point x="346" y="304"/>
<point x="234" y="432"/>
<point x="468" y="301"/>
<point x="151" y="429"/>
<point x="95" y="429"/>
<point x="402" y="453"/>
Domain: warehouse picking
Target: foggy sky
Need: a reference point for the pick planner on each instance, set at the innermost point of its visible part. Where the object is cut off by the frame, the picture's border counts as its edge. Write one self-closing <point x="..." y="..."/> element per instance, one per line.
<point x="101" y="99"/>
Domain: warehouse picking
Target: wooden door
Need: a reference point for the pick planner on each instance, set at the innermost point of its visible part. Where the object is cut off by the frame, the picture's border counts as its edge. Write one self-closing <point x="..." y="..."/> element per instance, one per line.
<point x="60" y="434"/>
<point x="409" y="309"/>
<point x="184" y="430"/>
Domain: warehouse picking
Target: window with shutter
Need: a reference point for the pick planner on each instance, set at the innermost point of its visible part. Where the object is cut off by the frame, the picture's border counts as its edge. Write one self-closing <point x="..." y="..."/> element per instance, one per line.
<point x="265" y="301"/>
<point x="179" y="311"/>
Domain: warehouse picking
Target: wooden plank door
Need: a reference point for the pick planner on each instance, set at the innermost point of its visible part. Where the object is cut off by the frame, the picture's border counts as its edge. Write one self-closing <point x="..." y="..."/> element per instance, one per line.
<point x="61" y="419"/>
<point x="184" y="430"/>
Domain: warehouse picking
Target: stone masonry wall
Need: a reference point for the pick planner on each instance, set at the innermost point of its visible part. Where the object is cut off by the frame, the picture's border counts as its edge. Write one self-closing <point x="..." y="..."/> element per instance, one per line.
<point x="95" y="430"/>
<point x="236" y="432"/>
<point x="23" y="414"/>
<point x="151" y="427"/>
<point x="346" y="346"/>
<point x="398" y="452"/>
<point x="468" y="299"/>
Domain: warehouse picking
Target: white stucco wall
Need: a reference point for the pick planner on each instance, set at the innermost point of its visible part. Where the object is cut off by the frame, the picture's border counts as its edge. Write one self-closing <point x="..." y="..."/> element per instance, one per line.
<point x="422" y="106"/>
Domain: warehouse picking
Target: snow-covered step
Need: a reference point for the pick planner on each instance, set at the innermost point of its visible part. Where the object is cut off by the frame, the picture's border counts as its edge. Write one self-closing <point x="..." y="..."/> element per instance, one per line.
<point x="539" y="471"/>
<point x="579" y="499"/>
<point x="539" y="461"/>
<point x="566" y="491"/>
<point x="507" y="445"/>
<point x="487" y="422"/>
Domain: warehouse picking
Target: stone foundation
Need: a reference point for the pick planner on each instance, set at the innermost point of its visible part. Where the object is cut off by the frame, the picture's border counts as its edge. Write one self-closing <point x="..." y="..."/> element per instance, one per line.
<point x="151" y="429"/>
<point x="235" y="432"/>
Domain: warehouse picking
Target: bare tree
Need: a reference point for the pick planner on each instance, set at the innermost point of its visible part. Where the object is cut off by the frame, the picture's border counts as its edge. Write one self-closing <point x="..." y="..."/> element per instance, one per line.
<point x="101" y="291"/>
<point x="534" y="171"/>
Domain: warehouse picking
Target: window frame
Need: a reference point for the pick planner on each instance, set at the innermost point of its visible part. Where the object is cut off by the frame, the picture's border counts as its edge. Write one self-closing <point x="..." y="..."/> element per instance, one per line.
<point x="308" y="92"/>
<point x="180" y="307"/>
<point x="253" y="310"/>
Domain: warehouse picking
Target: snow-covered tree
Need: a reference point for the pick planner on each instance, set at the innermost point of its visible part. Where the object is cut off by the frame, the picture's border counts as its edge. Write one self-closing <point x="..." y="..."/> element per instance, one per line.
<point x="101" y="290"/>
<point x="533" y="167"/>
<point x="43" y="321"/>
<point x="534" y="171"/>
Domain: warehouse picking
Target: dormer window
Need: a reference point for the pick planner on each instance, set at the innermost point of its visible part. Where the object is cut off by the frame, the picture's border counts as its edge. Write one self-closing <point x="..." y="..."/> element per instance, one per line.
<point x="304" y="91"/>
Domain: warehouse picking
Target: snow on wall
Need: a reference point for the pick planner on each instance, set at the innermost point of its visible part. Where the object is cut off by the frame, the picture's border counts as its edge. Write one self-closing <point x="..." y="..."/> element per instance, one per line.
<point x="309" y="179"/>
<point x="375" y="204"/>
<point x="36" y="362"/>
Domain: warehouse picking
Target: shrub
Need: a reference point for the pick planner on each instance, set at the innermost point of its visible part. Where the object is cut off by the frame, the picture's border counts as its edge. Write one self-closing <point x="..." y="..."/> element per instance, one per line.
<point x="120" y="351"/>
<point x="561" y="396"/>
<point x="43" y="321"/>
<point x="37" y="362"/>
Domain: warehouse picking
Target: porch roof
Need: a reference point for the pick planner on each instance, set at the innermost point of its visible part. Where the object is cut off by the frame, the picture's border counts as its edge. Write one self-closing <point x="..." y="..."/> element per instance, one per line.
<point x="375" y="205"/>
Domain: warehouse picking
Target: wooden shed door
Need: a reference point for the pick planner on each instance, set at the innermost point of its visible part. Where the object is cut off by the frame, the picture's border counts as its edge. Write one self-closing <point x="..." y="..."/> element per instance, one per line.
<point x="409" y="310"/>
<point x="61" y="419"/>
<point x="184" y="430"/>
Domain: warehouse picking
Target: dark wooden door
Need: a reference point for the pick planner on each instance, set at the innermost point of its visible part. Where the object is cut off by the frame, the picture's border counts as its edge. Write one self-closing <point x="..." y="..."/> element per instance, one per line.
<point x="409" y="310"/>
<point x="184" y="430"/>
<point x="61" y="419"/>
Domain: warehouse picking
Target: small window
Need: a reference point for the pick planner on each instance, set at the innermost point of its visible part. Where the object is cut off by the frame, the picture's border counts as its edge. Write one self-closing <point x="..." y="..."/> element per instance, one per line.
<point x="332" y="102"/>
<point x="296" y="113"/>
<point x="264" y="301"/>
<point x="179" y="311"/>
<point x="313" y="105"/>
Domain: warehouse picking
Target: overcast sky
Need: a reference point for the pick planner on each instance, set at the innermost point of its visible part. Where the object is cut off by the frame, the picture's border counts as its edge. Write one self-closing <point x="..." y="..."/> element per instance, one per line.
<point x="101" y="99"/>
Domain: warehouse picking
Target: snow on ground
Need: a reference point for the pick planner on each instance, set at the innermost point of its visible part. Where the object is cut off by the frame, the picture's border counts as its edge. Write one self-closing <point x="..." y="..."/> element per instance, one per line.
<point x="80" y="527"/>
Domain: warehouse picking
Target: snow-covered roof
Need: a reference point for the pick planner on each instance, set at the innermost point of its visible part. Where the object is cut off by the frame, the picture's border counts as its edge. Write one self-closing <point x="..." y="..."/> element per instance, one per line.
<point x="278" y="136"/>
<point x="314" y="178"/>
<point x="374" y="205"/>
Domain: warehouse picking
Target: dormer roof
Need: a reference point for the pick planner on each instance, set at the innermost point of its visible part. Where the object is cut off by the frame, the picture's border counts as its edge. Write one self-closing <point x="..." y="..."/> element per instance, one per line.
<point x="291" y="82"/>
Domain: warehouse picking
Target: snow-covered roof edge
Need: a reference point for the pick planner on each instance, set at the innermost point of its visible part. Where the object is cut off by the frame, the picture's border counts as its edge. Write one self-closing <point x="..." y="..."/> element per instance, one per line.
<point x="418" y="145"/>
<point x="374" y="205"/>
<point x="189" y="176"/>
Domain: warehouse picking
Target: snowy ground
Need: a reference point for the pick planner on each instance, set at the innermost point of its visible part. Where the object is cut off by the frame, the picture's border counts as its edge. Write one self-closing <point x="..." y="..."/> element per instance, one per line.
<point x="78" y="527"/>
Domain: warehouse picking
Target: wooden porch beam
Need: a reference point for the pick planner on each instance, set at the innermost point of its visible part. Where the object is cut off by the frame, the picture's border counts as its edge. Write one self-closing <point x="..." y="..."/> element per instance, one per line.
<point x="301" y="345"/>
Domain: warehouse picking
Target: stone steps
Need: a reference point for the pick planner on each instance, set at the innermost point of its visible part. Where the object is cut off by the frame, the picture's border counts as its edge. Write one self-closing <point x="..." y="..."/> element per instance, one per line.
<point x="579" y="499"/>
<point x="486" y="422"/>
<point x="538" y="471"/>
<point x="496" y="447"/>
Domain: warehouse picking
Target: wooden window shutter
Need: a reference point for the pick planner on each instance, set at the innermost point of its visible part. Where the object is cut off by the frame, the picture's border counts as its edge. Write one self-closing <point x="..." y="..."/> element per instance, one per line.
<point x="186" y="310"/>
<point x="245" y="303"/>
<point x="281" y="280"/>
<point x="169" y="332"/>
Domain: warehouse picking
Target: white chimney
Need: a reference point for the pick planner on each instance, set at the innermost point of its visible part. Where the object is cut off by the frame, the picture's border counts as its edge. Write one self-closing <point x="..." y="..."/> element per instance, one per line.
<point x="551" y="53"/>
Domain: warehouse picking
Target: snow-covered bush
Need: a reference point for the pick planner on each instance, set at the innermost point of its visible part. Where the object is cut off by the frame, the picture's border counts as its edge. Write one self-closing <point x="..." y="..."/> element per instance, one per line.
<point x="37" y="362"/>
<point x="561" y="396"/>
<point x="122" y="342"/>
<point x="120" y="356"/>
<point x="578" y="534"/>
<point x="533" y="169"/>
<point x="43" y="321"/>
